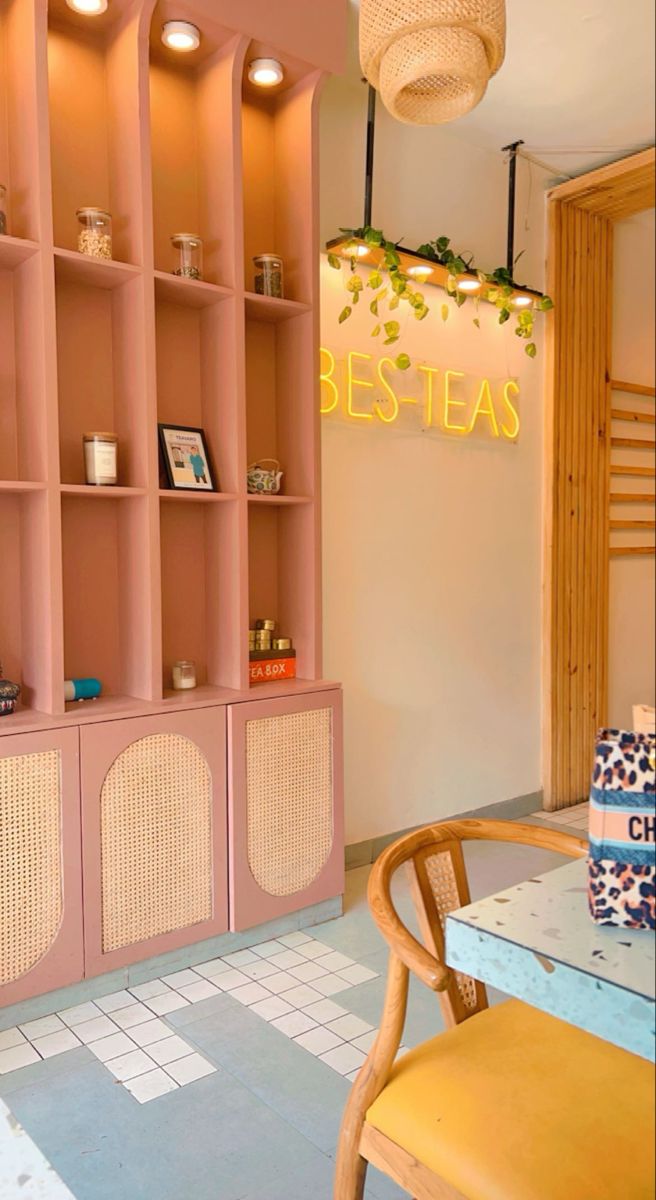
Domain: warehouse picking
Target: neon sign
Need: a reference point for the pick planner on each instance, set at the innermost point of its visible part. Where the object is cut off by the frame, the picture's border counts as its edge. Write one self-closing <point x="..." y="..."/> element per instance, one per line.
<point x="363" y="389"/>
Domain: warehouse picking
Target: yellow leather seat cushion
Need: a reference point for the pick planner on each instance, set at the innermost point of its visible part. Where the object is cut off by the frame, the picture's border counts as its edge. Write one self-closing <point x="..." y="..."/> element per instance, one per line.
<point x="516" y="1105"/>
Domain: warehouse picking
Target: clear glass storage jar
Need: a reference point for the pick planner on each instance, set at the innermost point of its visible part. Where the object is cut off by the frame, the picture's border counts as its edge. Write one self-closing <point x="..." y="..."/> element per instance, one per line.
<point x="268" y="275"/>
<point x="3" y="208"/>
<point x="184" y="674"/>
<point x="189" y="257"/>
<point x="95" y="234"/>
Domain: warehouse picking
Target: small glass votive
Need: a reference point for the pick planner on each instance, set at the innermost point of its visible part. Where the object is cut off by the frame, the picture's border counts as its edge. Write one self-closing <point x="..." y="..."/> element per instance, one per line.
<point x="268" y="275"/>
<point x="3" y="209"/>
<point x="100" y="459"/>
<point x="184" y="675"/>
<point x="95" y="235"/>
<point x="189" y="259"/>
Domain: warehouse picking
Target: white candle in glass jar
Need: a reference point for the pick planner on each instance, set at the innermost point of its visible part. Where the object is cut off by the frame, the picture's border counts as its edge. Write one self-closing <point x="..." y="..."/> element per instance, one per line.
<point x="184" y="675"/>
<point x="100" y="458"/>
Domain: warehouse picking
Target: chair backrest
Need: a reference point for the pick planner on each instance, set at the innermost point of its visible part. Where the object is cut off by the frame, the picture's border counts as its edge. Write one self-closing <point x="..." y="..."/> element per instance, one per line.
<point x="434" y="860"/>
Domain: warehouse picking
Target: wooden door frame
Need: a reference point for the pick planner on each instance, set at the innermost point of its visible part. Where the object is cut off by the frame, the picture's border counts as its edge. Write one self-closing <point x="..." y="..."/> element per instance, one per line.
<point x="581" y="217"/>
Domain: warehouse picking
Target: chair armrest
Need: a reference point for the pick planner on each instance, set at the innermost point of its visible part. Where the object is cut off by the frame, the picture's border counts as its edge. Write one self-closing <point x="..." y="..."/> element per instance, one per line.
<point x="417" y="959"/>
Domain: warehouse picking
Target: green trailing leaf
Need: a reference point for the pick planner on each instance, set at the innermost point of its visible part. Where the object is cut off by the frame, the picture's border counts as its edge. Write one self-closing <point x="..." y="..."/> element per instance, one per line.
<point x="545" y="304"/>
<point x="451" y="285"/>
<point x="525" y="317"/>
<point x="334" y="262"/>
<point x="477" y="322"/>
<point x="355" y="298"/>
<point x="392" y="328"/>
<point x="394" y="302"/>
<point x="382" y="293"/>
<point x="345" y="314"/>
<point x="444" y="312"/>
<point x="375" y="280"/>
<point x="531" y="349"/>
<point x="355" y="284"/>
<point x="375" y="331"/>
<point x="493" y="295"/>
<point x="460" y="298"/>
<point x="504" y="315"/>
<point x="373" y="308"/>
<point x="402" y="361"/>
<point x="391" y="340"/>
<point x="420" y="313"/>
<point x="373" y="237"/>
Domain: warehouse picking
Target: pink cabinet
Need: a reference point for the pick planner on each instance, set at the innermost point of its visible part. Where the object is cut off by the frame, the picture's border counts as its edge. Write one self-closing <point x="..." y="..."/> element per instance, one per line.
<point x="285" y="804"/>
<point x="40" y="877"/>
<point x="154" y="835"/>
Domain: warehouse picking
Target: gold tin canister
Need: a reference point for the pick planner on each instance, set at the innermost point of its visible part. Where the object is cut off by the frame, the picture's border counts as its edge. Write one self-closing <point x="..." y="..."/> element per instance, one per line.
<point x="266" y="624"/>
<point x="282" y="643"/>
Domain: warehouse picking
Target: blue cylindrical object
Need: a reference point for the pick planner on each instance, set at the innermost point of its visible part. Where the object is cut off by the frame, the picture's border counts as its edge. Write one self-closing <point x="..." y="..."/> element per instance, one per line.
<point x="81" y="689"/>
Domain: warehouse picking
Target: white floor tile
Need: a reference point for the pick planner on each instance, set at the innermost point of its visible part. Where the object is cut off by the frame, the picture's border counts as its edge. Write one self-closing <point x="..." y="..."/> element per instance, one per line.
<point x="186" y="1070"/>
<point x="146" y="991"/>
<point x="111" y="1047"/>
<point x="240" y="958"/>
<point x="167" y="1003"/>
<point x="267" y="949"/>
<point x="292" y="940"/>
<point x="313" y="949"/>
<point x="42" y="1027"/>
<point x="293" y="1024"/>
<point x="91" y="1031"/>
<point x="230" y="980"/>
<point x="352" y="1076"/>
<point x="301" y="996"/>
<point x="202" y="989"/>
<point x="150" y="1031"/>
<point x="179" y="978"/>
<point x="280" y="982"/>
<point x="330" y="985"/>
<point x="349" y="1027"/>
<point x="307" y="972"/>
<point x="17" y="1056"/>
<point x="80" y="1012"/>
<point x="56" y="1043"/>
<point x="208" y="970"/>
<point x="357" y="974"/>
<point x="114" y="1001"/>
<point x="168" y="1050"/>
<point x="365" y="1042"/>
<point x="150" y="1086"/>
<point x="318" y="1040"/>
<point x="324" y="1011"/>
<point x="271" y="1008"/>
<point x="286" y="959"/>
<point x="260" y="969"/>
<point x="251" y="993"/>
<point x="126" y="1066"/>
<point x="335" y="961"/>
<point x="344" y="1058"/>
<point x="11" y="1037"/>
<point x="134" y="1014"/>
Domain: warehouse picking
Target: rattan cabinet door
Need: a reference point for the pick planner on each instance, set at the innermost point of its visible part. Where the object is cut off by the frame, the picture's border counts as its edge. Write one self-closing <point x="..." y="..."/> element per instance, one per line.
<point x="285" y="805"/>
<point x="154" y="826"/>
<point x="40" y="869"/>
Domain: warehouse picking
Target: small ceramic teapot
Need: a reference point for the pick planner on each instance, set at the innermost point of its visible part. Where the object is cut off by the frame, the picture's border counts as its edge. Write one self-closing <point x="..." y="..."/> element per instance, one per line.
<point x="264" y="477"/>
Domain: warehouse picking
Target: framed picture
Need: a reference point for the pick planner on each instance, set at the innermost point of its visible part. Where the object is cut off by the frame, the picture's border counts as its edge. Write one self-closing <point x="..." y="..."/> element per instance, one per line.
<point x="186" y="460"/>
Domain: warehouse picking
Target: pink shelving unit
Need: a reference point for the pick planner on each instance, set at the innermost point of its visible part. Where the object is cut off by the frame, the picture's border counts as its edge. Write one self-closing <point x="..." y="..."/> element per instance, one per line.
<point x="119" y="582"/>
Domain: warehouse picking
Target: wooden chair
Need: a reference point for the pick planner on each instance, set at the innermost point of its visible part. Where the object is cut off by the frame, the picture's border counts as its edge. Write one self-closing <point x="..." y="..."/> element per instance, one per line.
<point x="508" y="1103"/>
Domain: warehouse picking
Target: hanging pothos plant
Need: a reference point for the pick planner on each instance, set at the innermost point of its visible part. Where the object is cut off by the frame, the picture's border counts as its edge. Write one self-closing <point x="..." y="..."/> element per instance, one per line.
<point x="498" y="284"/>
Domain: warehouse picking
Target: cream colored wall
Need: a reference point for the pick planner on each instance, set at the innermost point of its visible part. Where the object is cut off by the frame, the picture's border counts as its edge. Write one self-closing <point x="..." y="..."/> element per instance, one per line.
<point x="432" y="546"/>
<point x="632" y="616"/>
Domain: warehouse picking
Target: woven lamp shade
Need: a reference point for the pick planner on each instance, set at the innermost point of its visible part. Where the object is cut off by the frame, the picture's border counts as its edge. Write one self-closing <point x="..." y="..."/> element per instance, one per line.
<point x="431" y="60"/>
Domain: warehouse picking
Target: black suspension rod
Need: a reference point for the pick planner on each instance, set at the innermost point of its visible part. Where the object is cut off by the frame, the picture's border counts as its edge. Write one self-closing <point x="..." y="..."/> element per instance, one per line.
<point x="512" y="180"/>
<point x="369" y="162"/>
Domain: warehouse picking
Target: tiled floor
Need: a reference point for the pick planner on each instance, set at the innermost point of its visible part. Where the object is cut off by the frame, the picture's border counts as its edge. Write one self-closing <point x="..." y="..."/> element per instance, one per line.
<point x="226" y="1081"/>
<point x="575" y="818"/>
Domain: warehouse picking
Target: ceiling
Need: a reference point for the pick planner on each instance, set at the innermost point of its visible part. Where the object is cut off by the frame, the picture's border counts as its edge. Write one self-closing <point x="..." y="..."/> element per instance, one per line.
<point x="577" y="83"/>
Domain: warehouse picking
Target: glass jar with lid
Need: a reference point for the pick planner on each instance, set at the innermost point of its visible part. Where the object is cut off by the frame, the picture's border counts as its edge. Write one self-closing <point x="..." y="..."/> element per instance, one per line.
<point x="3" y="208"/>
<point x="268" y="275"/>
<point x="95" y="233"/>
<point x="189" y="255"/>
<point x="184" y="674"/>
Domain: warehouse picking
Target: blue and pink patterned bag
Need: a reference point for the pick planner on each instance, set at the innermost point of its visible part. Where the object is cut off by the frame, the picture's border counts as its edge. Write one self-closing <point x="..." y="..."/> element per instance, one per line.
<point x="622" y="859"/>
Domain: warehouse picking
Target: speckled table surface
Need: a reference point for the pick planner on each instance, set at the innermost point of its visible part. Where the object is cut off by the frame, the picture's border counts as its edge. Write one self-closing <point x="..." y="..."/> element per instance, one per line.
<point x="536" y="942"/>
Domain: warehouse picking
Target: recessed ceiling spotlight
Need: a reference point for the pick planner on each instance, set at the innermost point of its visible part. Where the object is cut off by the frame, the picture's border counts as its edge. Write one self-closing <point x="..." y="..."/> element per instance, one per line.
<point x="356" y="250"/>
<point x="180" y="35"/>
<point x="265" y="72"/>
<point x="469" y="285"/>
<point x="419" y="271"/>
<point x="522" y="301"/>
<point x="89" y="8"/>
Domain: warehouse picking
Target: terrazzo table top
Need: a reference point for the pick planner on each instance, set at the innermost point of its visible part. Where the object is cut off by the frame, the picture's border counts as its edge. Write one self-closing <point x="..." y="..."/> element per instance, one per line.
<point x="536" y="941"/>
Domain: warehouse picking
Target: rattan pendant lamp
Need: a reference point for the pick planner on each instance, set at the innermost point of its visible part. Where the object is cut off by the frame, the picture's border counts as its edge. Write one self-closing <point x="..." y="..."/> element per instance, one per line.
<point x="431" y="60"/>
